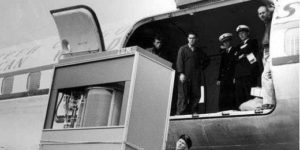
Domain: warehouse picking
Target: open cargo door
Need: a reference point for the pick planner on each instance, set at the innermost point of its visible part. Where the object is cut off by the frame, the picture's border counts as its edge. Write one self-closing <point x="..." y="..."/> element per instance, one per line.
<point x="79" y="30"/>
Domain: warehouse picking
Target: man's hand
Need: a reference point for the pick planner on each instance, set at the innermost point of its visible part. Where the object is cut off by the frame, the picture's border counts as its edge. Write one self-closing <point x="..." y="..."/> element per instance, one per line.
<point x="241" y="56"/>
<point x="182" y="77"/>
<point x="267" y="75"/>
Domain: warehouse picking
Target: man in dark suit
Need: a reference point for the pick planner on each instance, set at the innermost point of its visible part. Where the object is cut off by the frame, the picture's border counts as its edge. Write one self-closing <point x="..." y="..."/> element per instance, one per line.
<point x="247" y="69"/>
<point x="226" y="73"/>
<point x="190" y="62"/>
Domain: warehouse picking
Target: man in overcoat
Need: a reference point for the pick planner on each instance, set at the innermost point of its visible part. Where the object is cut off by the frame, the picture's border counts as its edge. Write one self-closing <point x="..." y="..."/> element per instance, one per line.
<point x="190" y="62"/>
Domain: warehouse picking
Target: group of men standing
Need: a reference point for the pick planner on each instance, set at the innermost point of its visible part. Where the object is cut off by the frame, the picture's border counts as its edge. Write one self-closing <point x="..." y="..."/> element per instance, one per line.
<point x="267" y="97"/>
<point x="239" y="69"/>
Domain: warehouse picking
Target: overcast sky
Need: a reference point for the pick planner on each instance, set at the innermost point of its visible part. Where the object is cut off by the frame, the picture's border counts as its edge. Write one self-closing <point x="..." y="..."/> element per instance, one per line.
<point x="27" y="20"/>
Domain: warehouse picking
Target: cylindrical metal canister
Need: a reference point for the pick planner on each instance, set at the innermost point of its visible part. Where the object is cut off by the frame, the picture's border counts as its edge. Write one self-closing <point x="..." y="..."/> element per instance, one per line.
<point x="97" y="107"/>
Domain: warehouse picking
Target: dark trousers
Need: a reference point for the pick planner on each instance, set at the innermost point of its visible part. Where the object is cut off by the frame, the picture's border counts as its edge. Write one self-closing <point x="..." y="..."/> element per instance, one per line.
<point x="188" y="97"/>
<point x="227" y="96"/>
<point x="242" y="90"/>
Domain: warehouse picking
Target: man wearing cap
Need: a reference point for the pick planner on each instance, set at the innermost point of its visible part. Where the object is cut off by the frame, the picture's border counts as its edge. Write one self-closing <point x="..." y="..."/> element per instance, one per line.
<point x="267" y="91"/>
<point x="247" y="69"/>
<point x="190" y="62"/>
<point x="226" y="73"/>
<point x="184" y="142"/>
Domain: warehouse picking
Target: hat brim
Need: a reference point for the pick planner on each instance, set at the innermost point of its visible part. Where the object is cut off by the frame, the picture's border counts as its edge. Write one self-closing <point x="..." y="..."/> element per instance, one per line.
<point x="246" y="30"/>
<point x="226" y="39"/>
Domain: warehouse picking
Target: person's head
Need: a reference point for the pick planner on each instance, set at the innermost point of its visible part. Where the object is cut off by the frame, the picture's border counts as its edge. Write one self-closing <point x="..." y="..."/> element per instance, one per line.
<point x="243" y="32"/>
<point x="192" y="38"/>
<point x="226" y="39"/>
<point x="157" y="42"/>
<point x="184" y="142"/>
<point x="263" y="13"/>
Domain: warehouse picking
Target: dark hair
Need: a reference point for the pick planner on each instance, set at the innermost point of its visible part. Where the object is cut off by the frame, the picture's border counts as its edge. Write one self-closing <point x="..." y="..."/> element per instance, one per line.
<point x="187" y="140"/>
<point x="157" y="37"/>
<point x="193" y="33"/>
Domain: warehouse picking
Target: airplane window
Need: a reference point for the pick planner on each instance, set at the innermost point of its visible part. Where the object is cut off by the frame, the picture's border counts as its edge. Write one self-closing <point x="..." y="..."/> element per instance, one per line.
<point x="7" y="85"/>
<point x="33" y="81"/>
<point x="291" y="43"/>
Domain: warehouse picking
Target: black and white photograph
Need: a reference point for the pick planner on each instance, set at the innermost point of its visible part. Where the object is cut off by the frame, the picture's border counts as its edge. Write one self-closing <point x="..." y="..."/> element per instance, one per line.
<point x="149" y="74"/>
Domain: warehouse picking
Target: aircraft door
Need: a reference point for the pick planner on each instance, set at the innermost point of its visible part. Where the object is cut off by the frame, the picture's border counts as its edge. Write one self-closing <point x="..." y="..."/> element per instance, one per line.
<point x="79" y="30"/>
